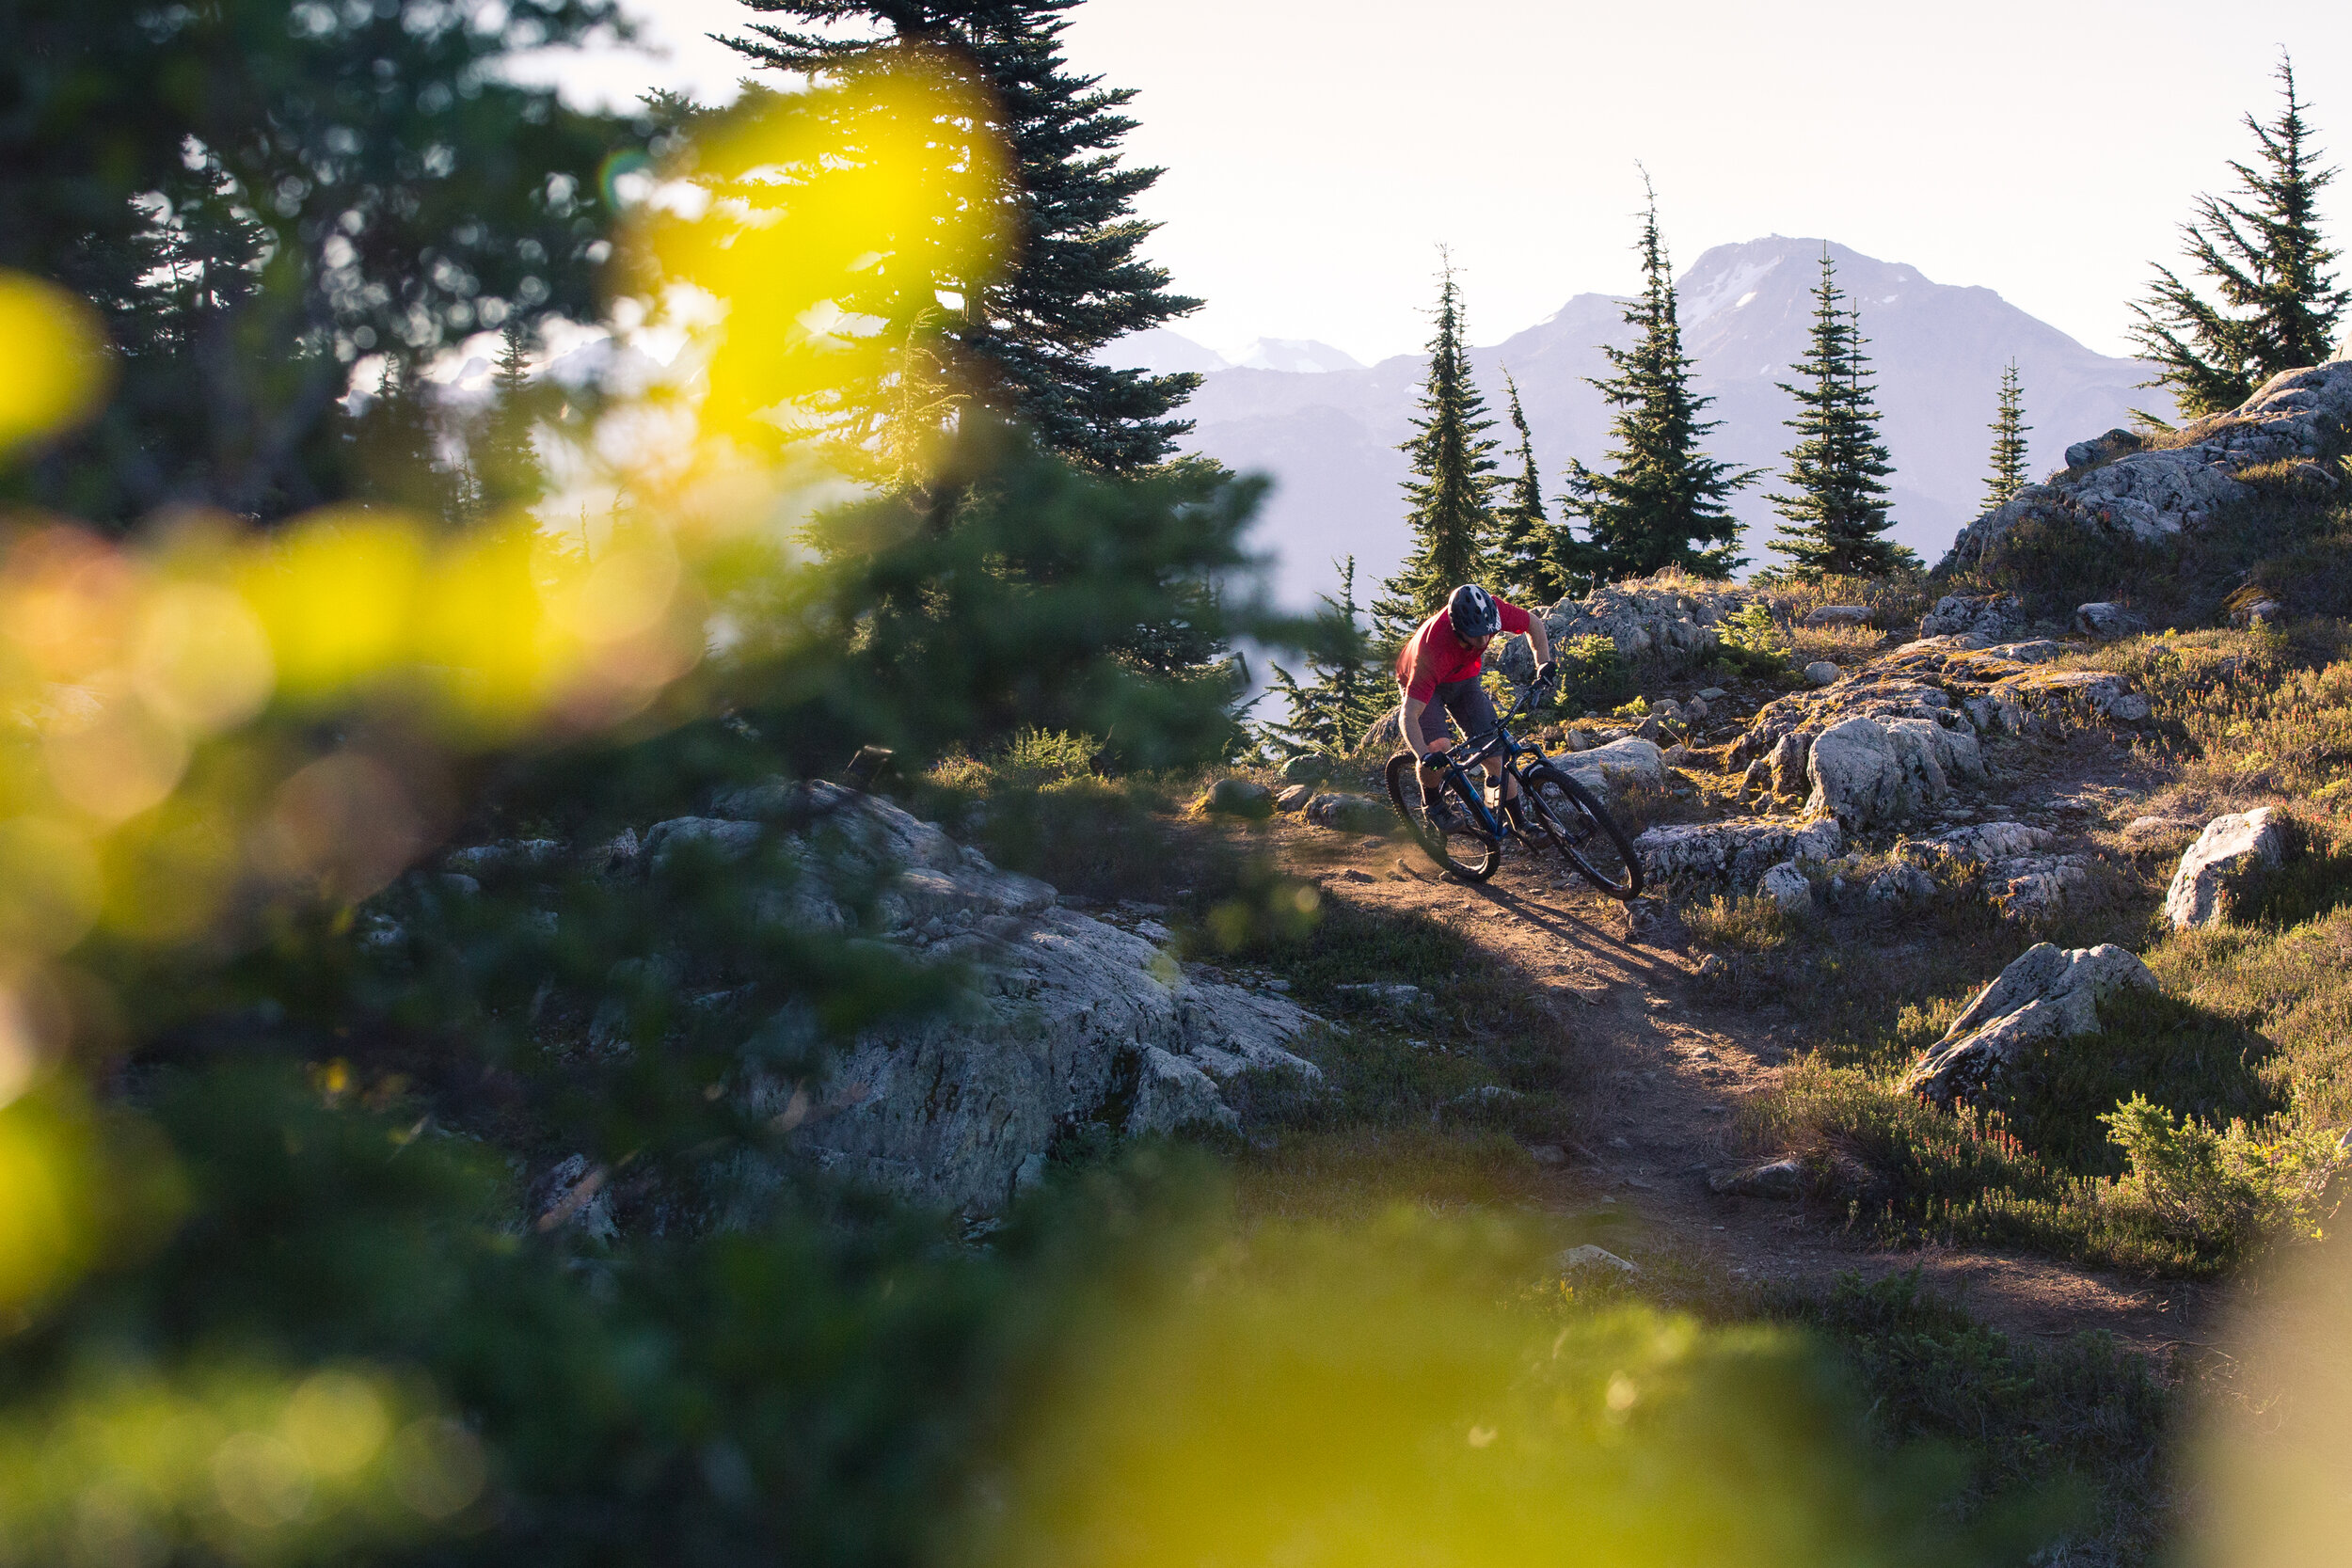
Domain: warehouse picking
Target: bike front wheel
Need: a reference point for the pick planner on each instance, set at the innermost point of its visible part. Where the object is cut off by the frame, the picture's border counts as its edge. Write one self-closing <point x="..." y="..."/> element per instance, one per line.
<point x="1466" y="850"/>
<point x="1562" y="812"/>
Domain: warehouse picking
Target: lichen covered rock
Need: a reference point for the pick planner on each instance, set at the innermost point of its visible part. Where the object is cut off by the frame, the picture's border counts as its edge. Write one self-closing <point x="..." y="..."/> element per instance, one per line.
<point x="2227" y="856"/>
<point x="2048" y="993"/>
<point x="1733" y="856"/>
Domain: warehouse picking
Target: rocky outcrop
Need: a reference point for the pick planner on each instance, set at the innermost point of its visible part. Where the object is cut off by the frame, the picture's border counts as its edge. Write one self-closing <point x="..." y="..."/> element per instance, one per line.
<point x="2047" y="993"/>
<point x="1732" y="856"/>
<point x="1236" y="798"/>
<point x="2226" y="858"/>
<point x="2139" y="493"/>
<point x="1630" y="761"/>
<point x="1943" y="692"/>
<point x="1351" y="814"/>
<point x="1640" y="618"/>
<point x="1865" y="773"/>
<point x="1994" y="617"/>
<point x="2105" y="621"/>
<point x="1788" y="887"/>
<point x="1070" y="1021"/>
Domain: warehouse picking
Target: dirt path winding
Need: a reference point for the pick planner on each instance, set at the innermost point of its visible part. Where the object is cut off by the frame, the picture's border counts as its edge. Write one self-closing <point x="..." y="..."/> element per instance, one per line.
<point x="1668" y="1071"/>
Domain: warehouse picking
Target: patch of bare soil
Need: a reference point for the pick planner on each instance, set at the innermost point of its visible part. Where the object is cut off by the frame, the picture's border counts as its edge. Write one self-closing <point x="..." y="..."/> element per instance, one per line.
<point x="1670" y="1070"/>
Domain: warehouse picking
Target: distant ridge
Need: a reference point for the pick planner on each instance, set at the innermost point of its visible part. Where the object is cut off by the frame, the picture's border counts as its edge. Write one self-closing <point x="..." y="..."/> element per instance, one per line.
<point x="1329" y="438"/>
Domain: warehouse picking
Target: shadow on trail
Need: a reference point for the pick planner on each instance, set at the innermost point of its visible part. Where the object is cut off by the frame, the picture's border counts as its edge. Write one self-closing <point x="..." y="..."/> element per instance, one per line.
<point x="1567" y="926"/>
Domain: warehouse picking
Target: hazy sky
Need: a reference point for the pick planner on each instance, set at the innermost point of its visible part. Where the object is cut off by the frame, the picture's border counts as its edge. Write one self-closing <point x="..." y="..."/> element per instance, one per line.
<point x="1318" y="150"/>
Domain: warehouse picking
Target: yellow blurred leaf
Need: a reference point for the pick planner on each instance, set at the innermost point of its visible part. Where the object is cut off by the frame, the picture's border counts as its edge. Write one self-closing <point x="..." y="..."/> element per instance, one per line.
<point x="49" y="886"/>
<point x="53" y="360"/>
<point x="47" y="1169"/>
<point x="338" y="598"/>
<point x="200" y="657"/>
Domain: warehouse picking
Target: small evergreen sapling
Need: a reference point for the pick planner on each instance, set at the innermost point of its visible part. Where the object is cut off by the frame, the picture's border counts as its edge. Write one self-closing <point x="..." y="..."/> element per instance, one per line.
<point x="2264" y="259"/>
<point x="2009" y="428"/>
<point x="1453" y="482"/>
<point x="1661" y="503"/>
<point x="1836" y="506"/>
<point x="1349" y="689"/>
<point x="1524" y="565"/>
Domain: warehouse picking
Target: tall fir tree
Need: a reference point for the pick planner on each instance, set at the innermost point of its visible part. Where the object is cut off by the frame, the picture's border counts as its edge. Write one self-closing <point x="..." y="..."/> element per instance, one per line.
<point x="1836" y="508"/>
<point x="2009" y="428"/>
<point x="398" y="448"/>
<point x="1031" y="342"/>
<point x="2275" y="305"/>
<point x="1662" y="501"/>
<point x="1347" y="689"/>
<point x="1453" y="484"/>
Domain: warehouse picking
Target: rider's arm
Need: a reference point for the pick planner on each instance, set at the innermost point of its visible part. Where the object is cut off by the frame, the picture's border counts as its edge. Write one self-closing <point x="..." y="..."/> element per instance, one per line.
<point x="1539" y="640"/>
<point x="1415" y="705"/>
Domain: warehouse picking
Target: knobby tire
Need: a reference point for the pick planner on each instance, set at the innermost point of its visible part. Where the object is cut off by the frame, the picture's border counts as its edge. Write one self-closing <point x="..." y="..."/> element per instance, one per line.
<point x="1591" y="846"/>
<point x="1483" y="850"/>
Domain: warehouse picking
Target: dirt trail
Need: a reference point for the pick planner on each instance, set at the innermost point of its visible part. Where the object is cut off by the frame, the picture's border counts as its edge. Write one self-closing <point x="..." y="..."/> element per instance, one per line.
<point x="1668" y="1071"/>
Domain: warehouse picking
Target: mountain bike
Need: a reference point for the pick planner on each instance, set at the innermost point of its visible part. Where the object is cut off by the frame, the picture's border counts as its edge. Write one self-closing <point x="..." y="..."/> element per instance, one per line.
<point x="1554" y="812"/>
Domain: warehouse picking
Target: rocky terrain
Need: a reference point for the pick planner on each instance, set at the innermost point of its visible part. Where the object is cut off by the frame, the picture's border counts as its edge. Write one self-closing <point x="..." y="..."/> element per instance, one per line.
<point x="2120" y="486"/>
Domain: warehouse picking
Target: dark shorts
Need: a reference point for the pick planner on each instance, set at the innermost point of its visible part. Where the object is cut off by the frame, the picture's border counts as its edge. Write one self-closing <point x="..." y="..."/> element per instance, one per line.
<point x="1473" y="714"/>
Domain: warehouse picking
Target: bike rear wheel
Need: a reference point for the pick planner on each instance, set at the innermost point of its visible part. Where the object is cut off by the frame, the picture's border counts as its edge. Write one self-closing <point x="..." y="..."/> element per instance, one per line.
<point x="1562" y="812"/>
<point x="1466" y="851"/>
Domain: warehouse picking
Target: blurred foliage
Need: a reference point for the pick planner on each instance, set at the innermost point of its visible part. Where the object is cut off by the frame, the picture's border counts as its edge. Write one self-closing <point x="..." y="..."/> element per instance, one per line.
<point x="1328" y="1395"/>
<point x="255" y="194"/>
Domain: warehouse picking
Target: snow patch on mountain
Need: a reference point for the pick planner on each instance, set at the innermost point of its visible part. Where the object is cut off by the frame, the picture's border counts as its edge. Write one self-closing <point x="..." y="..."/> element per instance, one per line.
<point x="1300" y="355"/>
<point x="1695" y="305"/>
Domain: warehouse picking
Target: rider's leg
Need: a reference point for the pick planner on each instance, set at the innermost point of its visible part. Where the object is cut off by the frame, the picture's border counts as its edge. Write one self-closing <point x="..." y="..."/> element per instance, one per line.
<point x="1494" y="770"/>
<point x="1432" y="781"/>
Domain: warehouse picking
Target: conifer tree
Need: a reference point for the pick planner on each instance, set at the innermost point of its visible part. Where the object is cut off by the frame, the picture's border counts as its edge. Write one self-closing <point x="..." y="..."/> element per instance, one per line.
<point x="1661" y="502"/>
<point x="1836" y="508"/>
<point x="1453" y="482"/>
<point x="505" y="458"/>
<point x="398" y="441"/>
<point x="2276" y="306"/>
<point x="1031" y="342"/>
<point x="1537" y="560"/>
<point x="1348" y="690"/>
<point x="2009" y="428"/>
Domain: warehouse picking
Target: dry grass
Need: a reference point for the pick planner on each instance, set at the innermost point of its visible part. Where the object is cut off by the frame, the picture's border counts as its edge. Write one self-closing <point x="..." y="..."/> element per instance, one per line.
<point x="1843" y="647"/>
<point x="1751" y="923"/>
<point x="2249" y="717"/>
<point x="1896" y="601"/>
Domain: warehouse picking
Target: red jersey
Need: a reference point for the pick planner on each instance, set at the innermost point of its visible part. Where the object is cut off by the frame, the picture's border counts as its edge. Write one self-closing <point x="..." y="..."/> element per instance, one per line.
<point x="1433" y="657"/>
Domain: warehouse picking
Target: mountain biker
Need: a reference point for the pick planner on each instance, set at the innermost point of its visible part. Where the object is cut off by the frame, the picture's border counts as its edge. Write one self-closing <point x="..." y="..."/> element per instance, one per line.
<point x="1438" y="670"/>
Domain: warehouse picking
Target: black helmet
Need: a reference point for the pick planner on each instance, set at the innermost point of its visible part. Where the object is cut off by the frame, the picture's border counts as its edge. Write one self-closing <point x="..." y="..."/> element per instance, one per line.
<point x="1471" y="611"/>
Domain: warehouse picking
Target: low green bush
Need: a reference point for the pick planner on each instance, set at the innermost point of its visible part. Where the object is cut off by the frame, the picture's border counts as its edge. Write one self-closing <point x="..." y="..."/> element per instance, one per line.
<point x="2222" y="1190"/>
<point x="1594" y="674"/>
